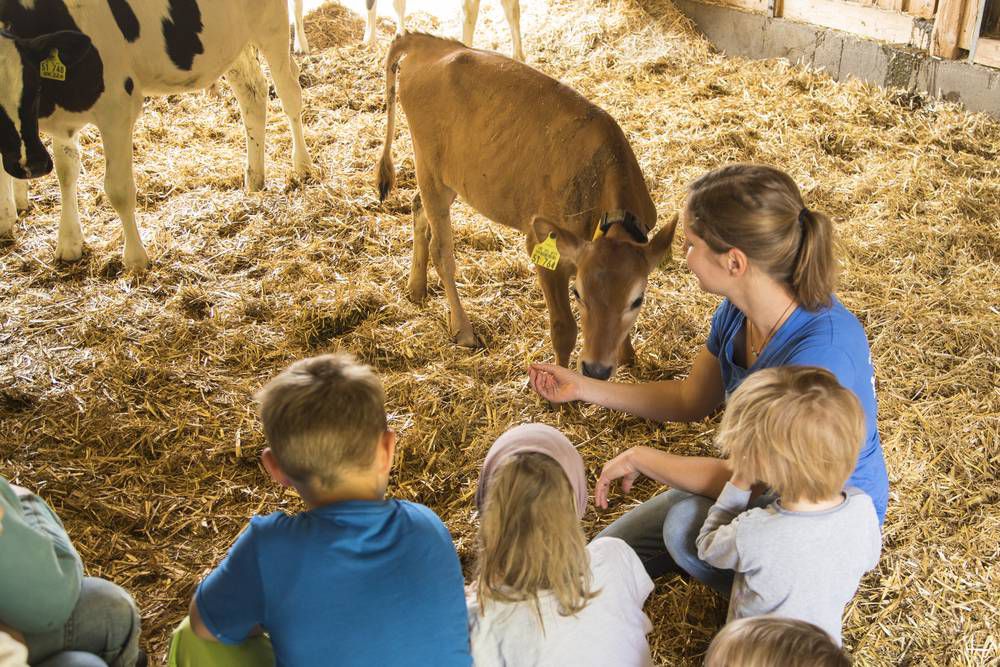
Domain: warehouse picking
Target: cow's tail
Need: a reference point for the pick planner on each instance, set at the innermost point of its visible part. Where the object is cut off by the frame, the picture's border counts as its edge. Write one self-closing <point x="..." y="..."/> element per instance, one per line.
<point x="386" y="172"/>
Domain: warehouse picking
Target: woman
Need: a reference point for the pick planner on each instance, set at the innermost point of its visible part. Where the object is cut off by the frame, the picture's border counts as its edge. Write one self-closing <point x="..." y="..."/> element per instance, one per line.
<point x="751" y="240"/>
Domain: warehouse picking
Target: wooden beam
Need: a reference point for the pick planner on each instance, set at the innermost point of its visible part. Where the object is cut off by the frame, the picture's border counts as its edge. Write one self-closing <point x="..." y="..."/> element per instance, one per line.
<point x="871" y="22"/>
<point x="947" y="27"/>
<point x="988" y="52"/>
<point x="923" y="9"/>
<point x="969" y="16"/>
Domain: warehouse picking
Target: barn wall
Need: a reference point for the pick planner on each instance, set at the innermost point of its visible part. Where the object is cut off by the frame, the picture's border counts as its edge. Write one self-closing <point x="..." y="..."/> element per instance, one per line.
<point x="845" y="55"/>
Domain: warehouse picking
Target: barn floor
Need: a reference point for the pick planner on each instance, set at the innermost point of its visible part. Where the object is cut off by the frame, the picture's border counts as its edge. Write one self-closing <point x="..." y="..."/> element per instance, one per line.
<point x="127" y="401"/>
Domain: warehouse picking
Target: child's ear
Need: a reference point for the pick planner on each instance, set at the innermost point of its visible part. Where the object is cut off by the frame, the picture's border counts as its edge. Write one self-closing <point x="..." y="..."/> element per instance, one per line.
<point x="273" y="468"/>
<point x="386" y="450"/>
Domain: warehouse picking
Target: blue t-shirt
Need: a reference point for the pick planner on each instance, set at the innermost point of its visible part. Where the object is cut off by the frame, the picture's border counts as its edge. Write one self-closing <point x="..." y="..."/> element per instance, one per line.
<point x="831" y="338"/>
<point x="352" y="583"/>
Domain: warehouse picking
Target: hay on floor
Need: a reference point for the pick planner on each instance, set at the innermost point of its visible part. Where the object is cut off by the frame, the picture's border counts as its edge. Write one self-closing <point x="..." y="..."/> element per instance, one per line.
<point x="127" y="401"/>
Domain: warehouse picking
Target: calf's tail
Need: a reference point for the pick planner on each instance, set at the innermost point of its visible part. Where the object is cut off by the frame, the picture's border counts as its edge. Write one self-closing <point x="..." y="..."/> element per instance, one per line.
<point x="386" y="172"/>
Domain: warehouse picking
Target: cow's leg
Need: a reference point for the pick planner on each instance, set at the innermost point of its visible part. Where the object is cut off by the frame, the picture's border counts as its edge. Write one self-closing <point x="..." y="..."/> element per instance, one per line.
<point x="21" y="195"/>
<point x="119" y="185"/>
<point x="301" y="43"/>
<point x="285" y="73"/>
<point x="8" y="209"/>
<point x="66" y="152"/>
<point x="437" y="200"/>
<point x="400" y="7"/>
<point x="250" y="88"/>
<point x="369" y="38"/>
<point x="417" y="285"/>
<point x="470" y="12"/>
<point x="562" y="324"/>
<point x="512" y="8"/>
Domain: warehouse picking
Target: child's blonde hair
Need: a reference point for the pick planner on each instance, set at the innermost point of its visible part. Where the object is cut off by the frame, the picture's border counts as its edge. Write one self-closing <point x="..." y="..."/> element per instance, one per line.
<point x="794" y="428"/>
<point x="769" y="641"/>
<point x="530" y="539"/>
<point x="322" y="415"/>
<point x="759" y="210"/>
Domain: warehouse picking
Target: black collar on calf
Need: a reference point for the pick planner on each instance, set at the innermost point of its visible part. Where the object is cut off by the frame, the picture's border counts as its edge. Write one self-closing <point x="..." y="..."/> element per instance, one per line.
<point x="627" y="221"/>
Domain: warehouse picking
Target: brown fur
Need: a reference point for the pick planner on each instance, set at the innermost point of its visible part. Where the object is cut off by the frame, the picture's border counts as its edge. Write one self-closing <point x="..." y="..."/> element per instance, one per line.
<point x="530" y="153"/>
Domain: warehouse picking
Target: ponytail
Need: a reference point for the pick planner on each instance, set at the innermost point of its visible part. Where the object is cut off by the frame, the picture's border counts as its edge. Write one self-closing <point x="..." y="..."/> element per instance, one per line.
<point x="759" y="210"/>
<point x="814" y="271"/>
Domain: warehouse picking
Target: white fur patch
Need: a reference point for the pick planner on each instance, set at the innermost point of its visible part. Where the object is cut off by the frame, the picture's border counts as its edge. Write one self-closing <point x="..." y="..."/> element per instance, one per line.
<point x="11" y="85"/>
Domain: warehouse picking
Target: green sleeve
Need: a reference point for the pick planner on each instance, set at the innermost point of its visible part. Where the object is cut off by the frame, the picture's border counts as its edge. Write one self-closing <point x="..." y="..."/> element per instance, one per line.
<point x="40" y="571"/>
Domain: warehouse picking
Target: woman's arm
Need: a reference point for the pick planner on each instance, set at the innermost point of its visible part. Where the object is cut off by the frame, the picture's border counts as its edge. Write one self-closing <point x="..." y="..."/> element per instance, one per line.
<point x="690" y="399"/>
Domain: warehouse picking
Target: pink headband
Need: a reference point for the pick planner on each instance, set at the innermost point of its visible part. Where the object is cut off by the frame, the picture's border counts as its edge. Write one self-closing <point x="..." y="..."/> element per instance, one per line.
<point x="542" y="439"/>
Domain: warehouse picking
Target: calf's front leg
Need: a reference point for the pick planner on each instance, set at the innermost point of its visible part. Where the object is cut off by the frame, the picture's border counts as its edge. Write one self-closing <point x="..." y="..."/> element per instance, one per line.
<point x="562" y="324"/>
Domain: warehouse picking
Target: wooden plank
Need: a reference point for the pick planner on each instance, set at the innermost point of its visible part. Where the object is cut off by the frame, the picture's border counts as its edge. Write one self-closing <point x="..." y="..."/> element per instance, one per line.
<point x="988" y="52"/>
<point x="947" y="26"/>
<point x="966" y="34"/>
<point x="891" y="5"/>
<point x="868" y="22"/>
<point x="923" y="9"/>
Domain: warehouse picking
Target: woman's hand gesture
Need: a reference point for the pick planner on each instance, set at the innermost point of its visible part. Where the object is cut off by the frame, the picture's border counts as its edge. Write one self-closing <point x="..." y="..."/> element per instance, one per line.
<point x="555" y="383"/>
<point x="621" y="467"/>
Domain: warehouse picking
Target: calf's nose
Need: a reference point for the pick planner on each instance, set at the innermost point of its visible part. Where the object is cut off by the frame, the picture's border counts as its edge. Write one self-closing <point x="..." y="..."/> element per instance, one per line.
<point x="596" y="371"/>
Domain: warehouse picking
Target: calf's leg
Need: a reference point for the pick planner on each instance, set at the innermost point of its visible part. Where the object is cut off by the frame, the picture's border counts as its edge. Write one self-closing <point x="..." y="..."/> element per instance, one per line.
<point x="469" y="15"/>
<point x="250" y="87"/>
<point x="8" y="209"/>
<point x="21" y="194"/>
<point x="301" y="43"/>
<point x="285" y="73"/>
<point x="119" y="185"/>
<point x="400" y="7"/>
<point x="369" y="38"/>
<point x="417" y="285"/>
<point x="66" y="152"/>
<point x="562" y="324"/>
<point x="512" y="8"/>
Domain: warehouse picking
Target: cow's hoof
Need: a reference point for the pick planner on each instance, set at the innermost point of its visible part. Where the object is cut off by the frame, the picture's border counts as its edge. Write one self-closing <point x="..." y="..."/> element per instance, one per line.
<point x="467" y="339"/>
<point x="417" y="292"/>
<point x="302" y="50"/>
<point x="69" y="251"/>
<point x="136" y="261"/>
<point x="253" y="182"/>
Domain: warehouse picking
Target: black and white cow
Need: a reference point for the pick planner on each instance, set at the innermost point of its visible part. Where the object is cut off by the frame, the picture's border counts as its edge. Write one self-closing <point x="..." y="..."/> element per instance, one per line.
<point x="111" y="54"/>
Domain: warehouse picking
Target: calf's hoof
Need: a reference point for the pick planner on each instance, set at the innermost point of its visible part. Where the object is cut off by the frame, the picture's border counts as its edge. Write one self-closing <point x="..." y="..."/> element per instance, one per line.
<point x="253" y="182"/>
<point x="416" y="291"/>
<point x="467" y="339"/>
<point x="136" y="261"/>
<point x="69" y="251"/>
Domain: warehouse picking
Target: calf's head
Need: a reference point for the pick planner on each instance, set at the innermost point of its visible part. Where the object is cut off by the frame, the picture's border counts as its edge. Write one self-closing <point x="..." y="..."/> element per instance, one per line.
<point x="23" y="154"/>
<point x="610" y="285"/>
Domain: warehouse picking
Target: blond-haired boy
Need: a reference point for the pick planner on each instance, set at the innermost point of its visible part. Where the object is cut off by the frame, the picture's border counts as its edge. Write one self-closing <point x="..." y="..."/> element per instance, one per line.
<point x="802" y="556"/>
<point x="771" y="641"/>
<point x="356" y="579"/>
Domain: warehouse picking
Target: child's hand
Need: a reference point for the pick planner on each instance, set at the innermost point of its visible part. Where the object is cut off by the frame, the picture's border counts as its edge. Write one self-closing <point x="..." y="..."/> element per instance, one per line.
<point x="554" y="383"/>
<point x="619" y="467"/>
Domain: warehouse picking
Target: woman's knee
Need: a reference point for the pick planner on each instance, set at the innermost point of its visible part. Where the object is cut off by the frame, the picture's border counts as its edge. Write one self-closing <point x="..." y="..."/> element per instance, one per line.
<point x="107" y="622"/>
<point x="683" y="521"/>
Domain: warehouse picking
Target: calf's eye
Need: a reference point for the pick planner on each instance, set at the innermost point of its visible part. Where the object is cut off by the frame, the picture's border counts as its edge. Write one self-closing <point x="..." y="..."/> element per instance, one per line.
<point x="637" y="302"/>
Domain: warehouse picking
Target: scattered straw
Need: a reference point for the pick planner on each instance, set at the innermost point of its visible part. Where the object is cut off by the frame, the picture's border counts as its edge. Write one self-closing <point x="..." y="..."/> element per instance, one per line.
<point x="126" y="401"/>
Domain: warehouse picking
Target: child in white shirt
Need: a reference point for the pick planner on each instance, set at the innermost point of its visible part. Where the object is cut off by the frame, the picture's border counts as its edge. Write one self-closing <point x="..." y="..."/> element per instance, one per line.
<point x="542" y="595"/>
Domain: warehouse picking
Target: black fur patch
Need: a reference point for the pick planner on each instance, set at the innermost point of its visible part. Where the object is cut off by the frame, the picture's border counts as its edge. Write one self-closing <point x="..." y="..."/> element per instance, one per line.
<point x="126" y="20"/>
<point x="181" y="33"/>
<point x="84" y="82"/>
<point x="129" y="86"/>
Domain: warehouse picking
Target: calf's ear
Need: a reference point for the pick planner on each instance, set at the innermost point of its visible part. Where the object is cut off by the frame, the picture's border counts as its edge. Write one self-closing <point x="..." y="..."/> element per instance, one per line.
<point x="71" y="44"/>
<point x="658" y="248"/>
<point x="569" y="245"/>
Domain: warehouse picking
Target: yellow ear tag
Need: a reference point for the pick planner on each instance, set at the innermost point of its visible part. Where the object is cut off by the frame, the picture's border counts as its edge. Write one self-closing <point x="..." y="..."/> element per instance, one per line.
<point x="53" y="68"/>
<point x="546" y="254"/>
<point x="598" y="233"/>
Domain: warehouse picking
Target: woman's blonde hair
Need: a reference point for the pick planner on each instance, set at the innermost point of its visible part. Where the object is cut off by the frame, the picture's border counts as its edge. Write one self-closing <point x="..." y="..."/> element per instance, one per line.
<point x="769" y="641"/>
<point x="794" y="428"/>
<point x="530" y="540"/>
<point x="759" y="210"/>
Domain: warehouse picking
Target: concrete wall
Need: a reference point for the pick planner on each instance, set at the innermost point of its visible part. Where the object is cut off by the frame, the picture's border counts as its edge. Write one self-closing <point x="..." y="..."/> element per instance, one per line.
<point x="844" y="55"/>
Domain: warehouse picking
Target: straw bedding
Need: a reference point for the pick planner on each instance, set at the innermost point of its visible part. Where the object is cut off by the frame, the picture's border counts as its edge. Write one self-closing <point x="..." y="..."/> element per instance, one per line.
<point x="127" y="400"/>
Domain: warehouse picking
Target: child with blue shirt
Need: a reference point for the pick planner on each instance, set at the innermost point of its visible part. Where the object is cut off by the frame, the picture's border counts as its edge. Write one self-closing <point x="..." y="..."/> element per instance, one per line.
<point x="356" y="579"/>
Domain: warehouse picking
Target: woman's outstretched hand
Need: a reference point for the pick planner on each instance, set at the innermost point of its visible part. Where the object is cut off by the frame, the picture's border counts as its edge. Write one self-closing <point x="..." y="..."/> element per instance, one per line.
<point x="621" y="467"/>
<point x="555" y="383"/>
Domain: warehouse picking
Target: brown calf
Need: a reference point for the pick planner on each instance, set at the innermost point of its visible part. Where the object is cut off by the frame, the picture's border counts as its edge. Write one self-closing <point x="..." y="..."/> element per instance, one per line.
<point x="530" y="153"/>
